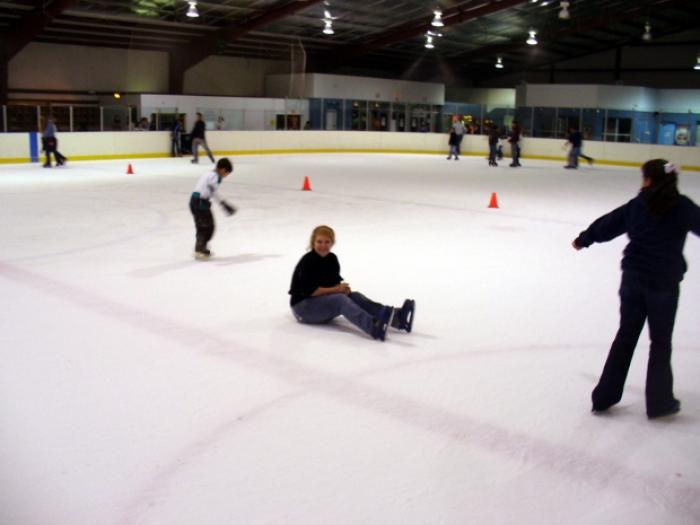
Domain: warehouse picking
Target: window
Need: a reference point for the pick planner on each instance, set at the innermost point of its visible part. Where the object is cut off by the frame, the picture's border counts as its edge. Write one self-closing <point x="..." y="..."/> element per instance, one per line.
<point x="618" y="129"/>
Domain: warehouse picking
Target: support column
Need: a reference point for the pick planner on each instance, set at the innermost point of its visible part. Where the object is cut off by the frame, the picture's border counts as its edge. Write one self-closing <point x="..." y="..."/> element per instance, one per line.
<point x="4" y="67"/>
<point x="618" y="64"/>
<point x="176" y="74"/>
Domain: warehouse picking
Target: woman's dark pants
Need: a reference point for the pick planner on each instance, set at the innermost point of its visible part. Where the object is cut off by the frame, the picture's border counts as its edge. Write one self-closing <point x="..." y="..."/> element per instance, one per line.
<point x="640" y="301"/>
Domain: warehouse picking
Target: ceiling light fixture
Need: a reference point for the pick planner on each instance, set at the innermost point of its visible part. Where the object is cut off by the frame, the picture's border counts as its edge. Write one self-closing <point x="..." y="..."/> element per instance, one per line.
<point x="532" y="40"/>
<point x="499" y="63"/>
<point x="328" y="22"/>
<point x="429" y="38"/>
<point x="564" y="13"/>
<point x="647" y="32"/>
<point x="192" y="10"/>
<point x="697" y="65"/>
<point x="437" y="19"/>
<point x="545" y="3"/>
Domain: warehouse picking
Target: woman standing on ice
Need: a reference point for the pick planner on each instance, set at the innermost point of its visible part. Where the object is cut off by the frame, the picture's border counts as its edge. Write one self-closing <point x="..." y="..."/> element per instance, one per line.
<point x="319" y="293"/>
<point x="657" y="222"/>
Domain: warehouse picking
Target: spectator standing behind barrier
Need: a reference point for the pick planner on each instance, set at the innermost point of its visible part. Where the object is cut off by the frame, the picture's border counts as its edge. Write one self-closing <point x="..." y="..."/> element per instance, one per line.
<point x="175" y="137"/>
<point x="657" y="222"/>
<point x="50" y="144"/>
<point x="515" y="144"/>
<point x="459" y="130"/>
<point x="575" y="142"/>
<point x="198" y="138"/>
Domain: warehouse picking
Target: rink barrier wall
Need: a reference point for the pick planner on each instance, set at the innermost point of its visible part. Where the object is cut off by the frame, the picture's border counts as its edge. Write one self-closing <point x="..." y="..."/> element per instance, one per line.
<point x="16" y="147"/>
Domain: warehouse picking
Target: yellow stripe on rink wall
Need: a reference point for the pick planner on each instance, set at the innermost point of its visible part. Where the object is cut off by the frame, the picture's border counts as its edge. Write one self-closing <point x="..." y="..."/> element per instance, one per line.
<point x="15" y="160"/>
<point x="124" y="145"/>
<point x="128" y="156"/>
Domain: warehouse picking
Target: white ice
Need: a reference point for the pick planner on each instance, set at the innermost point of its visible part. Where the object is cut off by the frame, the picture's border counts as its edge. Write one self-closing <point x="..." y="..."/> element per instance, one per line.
<point x="139" y="386"/>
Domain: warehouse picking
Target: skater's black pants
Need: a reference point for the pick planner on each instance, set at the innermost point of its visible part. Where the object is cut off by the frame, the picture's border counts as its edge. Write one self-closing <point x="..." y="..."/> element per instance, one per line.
<point x="195" y="149"/>
<point x="492" y="153"/>
<point x="175" y="146"/>
<point x="203" y="221"/>
<point x="50" y="145"/>
<point x="640" y="301"/>
<point x="515" y="151"/>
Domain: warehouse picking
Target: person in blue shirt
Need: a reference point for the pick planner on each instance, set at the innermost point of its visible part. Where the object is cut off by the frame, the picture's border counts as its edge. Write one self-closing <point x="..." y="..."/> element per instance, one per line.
<point x="318" y="293"/>
<point x="657" y="222"/>
<point x="50" y="144"/>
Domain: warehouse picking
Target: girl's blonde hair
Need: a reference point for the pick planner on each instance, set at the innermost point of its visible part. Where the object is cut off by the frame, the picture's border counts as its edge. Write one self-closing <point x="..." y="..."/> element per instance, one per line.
<point x="324" y="230"/>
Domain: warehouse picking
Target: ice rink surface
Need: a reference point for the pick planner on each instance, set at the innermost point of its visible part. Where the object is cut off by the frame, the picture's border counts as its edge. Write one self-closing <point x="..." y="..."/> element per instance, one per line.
<point x="139" y="386"/>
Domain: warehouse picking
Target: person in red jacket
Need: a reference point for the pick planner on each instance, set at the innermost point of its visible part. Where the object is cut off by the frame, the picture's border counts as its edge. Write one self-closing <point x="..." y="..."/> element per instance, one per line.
<point x="657" y="222"/>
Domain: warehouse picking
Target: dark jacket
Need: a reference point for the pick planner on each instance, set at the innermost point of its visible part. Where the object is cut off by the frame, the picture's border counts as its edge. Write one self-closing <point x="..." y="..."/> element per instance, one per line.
<point x="575" y="139"/>
<point x="493" y="136"/>
<point x="514" y="135"/>
<point x="198" y="130"/>
<point x="313" y="271"/>
<point x="655" y="250"/>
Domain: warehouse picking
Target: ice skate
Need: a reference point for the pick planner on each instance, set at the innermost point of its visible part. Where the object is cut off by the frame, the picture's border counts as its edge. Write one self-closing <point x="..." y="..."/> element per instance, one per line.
<point x="381" y="323"/>
<point x="202" y="254"/>
<point x="403" y="317"/>
<point x="673" y="408"/>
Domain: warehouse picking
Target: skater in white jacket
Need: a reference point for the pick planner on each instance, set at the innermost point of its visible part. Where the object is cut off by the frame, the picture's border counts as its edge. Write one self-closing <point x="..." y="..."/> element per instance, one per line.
<point x="200" y="205"/>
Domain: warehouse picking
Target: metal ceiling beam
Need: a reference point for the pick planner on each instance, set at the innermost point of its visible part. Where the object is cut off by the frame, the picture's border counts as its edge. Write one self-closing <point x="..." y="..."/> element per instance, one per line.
<point x="536" y="66"/>
<point x="453" y="16"/>
<point x="583" y="28"/>
<point x="184" y="57"/>
<point x="33" y="24"/>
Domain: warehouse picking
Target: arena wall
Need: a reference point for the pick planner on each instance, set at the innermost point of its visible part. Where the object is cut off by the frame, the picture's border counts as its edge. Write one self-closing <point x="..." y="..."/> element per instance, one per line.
<point x="18" y="147"/>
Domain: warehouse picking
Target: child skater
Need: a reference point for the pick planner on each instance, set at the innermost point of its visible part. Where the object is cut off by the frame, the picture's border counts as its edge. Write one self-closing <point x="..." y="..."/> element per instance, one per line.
<point x="200" y="205"/>
<point x="319" y="293"/>
<point x="657" y="222"/>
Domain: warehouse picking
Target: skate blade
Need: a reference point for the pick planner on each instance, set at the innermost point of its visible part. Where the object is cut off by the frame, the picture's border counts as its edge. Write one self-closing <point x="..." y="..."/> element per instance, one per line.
<point x="201" y="256"/>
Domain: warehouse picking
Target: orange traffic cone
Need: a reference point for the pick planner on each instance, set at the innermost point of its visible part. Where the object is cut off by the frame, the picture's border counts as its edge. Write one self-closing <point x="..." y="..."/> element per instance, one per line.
<point x="494" y="200"/>
<point x="307" y="185"/>
<point x="129" y="170"/>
